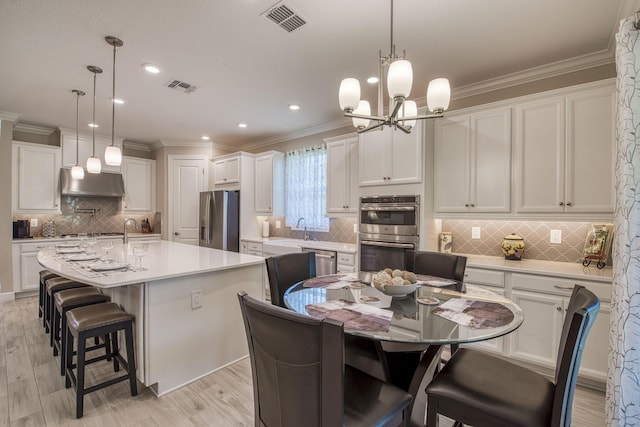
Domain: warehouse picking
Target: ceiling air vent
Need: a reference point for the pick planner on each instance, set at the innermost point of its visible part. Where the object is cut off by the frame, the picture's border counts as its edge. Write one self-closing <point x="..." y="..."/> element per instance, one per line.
<point x="181" y="86"/>
<point x="286" y="18"/>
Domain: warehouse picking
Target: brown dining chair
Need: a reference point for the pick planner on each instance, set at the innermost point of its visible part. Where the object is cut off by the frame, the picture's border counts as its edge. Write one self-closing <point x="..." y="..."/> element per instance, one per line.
<point x="477" y="388"/>
<point x="286" y="270"/>
<point x="299" y="375"/>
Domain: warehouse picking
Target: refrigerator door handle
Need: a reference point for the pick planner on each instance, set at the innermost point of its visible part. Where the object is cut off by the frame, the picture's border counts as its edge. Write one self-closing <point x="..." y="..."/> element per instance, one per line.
<point x="209" y="220"/>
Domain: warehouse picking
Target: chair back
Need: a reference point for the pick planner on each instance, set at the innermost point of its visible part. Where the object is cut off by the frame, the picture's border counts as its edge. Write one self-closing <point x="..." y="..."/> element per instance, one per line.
<point x="286" y="270"/>
<point x="581" y="313"/>
<point x="437" y="264"/>
<point x="296" y="364"/>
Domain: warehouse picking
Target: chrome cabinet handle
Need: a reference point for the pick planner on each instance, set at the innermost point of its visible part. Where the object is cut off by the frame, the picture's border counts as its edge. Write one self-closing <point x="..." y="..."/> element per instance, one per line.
<point x="569" y="203"/>
<point x="558" y="308"/>
<point x="466" y="205"/>
<point x="175" y="233"/>
<point x="473" y="205"/>
<point x="561" y="204"/>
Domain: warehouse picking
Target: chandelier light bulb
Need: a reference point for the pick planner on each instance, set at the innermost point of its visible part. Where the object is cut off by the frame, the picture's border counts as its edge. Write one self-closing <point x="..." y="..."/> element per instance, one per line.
<point x="94" y="165"/>
<point x="400" y="79"/>
<point x="365" y="109"/>
<point x="77" y="172"/>
<point x="438" y="95"/>
<point x="408" y="109"/>
<point x="349" y="94"/>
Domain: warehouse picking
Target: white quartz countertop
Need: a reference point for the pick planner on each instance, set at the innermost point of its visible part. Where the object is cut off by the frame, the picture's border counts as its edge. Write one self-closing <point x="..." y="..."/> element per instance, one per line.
<point x="300" y="243"/>
<point x="74" y="238"/>
<point x="551" y="268"/>
<point x="164" y="260"/>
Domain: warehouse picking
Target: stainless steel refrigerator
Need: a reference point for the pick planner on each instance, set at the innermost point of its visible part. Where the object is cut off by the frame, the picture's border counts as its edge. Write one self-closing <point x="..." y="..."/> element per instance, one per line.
<point x="219" y="220"/>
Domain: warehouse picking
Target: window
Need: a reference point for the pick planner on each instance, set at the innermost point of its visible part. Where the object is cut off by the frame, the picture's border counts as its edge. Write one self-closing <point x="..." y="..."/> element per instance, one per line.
<point x="306" y="189"/>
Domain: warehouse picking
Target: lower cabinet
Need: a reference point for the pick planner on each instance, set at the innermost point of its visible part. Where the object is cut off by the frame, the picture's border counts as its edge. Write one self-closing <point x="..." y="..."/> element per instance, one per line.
<point x="26" y="269"/>
<point x="346" y="263"/>
<point x="492" y="281"/>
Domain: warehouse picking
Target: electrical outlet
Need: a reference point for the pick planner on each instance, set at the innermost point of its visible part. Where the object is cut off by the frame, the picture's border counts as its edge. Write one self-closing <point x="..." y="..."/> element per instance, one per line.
<point x="475" y="232"/>
<point x="278" y="224"/>
<point x="196" y="299"/>
<point x="555" y="236"/>
<point x="355" y="228"/>
<point x="33" y="222"/>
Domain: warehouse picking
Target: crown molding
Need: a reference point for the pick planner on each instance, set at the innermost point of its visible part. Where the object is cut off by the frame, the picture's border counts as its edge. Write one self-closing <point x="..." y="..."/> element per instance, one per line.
<point x="138" y="146"/>
<point x="6" y="115"/>
<point x="35" y="129"/>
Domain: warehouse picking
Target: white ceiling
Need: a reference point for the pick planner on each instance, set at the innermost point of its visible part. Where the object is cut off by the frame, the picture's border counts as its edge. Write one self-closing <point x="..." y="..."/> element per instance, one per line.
<point x="249" y="69"/>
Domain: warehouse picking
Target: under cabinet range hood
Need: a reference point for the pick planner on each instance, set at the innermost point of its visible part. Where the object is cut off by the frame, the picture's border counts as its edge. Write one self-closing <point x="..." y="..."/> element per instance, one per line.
<point x="98" y="185"/>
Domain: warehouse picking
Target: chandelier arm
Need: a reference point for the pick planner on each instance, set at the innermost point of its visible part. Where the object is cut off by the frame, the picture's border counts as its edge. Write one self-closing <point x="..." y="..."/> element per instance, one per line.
<point x="428" y="116"/>
<point x="403" y="128"/>
<point x="372" y="127"/>
<point x="396" y="108"/>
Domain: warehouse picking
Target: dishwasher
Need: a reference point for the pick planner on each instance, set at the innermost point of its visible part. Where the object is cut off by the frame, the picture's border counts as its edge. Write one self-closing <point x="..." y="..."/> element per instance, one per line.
<point x="325" y="261"/>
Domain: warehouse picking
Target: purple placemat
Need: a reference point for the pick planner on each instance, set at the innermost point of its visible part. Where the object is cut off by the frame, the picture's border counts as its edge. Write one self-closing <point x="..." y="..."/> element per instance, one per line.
<point x="355" y="316"/>
<point x="475" y="314"/>
<point x="323" y="281"/>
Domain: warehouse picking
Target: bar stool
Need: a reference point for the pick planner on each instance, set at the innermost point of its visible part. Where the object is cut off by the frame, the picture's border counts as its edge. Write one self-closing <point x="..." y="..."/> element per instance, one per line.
<point x="52" y="286"/>
<point x="44" y="276"/>
<point x="65" y="301"/>
<point x="90" y="322"/>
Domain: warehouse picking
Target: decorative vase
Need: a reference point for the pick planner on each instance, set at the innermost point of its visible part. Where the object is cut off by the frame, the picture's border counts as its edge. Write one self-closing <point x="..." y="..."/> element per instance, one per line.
<point x="513" y="247"/>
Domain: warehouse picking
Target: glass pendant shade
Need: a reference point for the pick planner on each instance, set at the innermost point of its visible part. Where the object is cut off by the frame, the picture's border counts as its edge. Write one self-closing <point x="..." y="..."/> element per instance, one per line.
<point x="94" y="165"/>
<point x="409" y="109"/>
<point x="77" y="172"/>
<point x="438" y="95"/>
<point x="400" y="79"/>
<point x="349" y="94"/>
<point x="365" y="109"/>
<point x="113" y="156"/>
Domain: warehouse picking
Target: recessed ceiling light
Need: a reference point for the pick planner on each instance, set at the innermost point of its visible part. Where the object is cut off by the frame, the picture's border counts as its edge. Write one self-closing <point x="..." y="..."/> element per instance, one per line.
<point x="372" y="80"/>
<point x="242" y="125"/>
<point x="118" y="101"/>
<point x="151" y="68"/>
<point x="204" y="137"/>
<point x="294" y="107"/>
<point x="93" y="125"/>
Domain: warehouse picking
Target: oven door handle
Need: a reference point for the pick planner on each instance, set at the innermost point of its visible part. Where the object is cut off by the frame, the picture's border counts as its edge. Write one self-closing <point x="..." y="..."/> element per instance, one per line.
<point x="388" y="244"/>
<point x="388" y="208"/>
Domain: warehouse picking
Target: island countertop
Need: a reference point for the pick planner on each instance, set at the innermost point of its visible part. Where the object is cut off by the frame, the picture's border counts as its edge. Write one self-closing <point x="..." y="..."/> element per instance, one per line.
<point x="164" y="260"/>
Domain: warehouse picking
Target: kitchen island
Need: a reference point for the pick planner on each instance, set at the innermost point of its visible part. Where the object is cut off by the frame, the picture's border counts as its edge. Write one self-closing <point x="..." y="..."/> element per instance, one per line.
<point x="187" y="318"/>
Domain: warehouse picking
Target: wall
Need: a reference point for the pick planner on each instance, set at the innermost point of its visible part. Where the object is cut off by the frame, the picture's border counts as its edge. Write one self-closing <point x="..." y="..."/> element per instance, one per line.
<point x="6" y="228"/>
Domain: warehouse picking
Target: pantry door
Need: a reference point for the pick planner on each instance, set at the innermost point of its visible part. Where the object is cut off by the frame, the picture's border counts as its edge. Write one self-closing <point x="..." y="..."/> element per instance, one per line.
<point x="187" y="178"/>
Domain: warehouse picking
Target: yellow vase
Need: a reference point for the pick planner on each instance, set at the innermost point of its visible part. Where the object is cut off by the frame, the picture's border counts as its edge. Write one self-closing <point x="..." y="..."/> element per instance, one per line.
<point x="513" y="247"/>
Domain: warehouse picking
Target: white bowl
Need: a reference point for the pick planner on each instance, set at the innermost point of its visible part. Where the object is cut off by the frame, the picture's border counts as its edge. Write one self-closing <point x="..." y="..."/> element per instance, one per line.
<point x="395" y="290"/>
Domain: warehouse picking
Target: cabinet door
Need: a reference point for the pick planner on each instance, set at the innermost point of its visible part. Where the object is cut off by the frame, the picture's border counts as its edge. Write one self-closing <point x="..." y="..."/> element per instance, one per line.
<point x="219" y="173"/>
<point x="591" y="151"/>
<point x="226" y="171"/>
<point x="491" y="161"/>
<point x="264" y="185"/>
<point x="406" y="156"/>
<point x="36" y="187"/>
<point x="538" y="337"/>
<point x="139" y="184"/>
<point x="29" y="271"/>
<point x="373" y="148"/>
<point x="540" y="133"/>
<point x="452" y="158"/>
<point x="337" y="178"/>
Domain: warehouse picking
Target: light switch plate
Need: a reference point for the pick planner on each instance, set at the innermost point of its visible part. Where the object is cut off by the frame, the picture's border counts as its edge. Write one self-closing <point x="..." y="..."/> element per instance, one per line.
<point x="555" y="236"/>
<point x="355" y="228"/>
<point x="475" y="232"/>
<point x="33" y="222"/>
<point x="278" y="224"/>
<point x="196" y="299"/>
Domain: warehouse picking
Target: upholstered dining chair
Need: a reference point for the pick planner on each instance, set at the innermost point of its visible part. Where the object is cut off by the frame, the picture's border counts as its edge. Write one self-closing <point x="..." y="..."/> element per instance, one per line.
<point x="286" y="270"/>
<point x="483" y="390"/>
<point x="438" y="264"/>
<point x="299" y="375"/>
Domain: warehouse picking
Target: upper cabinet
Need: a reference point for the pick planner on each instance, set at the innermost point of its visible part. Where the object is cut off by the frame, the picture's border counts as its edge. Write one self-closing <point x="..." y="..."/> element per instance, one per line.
<point x="565" y="152"/>
<point x="390" y="157"/>
<point x="226" y="171"/>
<point x="269" y="183"/>
<point x="68" y="144"/>
<point x="139" y="185"/>
<point x="342" y="177"/>
<point x="472" y="162"/>
<point x="35" y="178"/>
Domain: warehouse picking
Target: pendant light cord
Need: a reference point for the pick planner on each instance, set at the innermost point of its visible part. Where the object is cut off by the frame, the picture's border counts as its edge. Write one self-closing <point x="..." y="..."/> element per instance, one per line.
<point x="93" y="119"/>
<point x="77" y="131"/>
<point x="113" y="98"/>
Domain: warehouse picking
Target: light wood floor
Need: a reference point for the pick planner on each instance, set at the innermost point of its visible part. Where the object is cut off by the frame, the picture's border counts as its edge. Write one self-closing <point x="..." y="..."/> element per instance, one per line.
<point x="32" y="392"/>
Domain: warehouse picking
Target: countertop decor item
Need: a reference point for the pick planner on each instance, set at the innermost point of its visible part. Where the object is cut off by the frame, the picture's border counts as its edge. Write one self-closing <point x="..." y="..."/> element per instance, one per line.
<point x="598" y="244"/>
<point x="513" y="247"/>
<point x="445" y="242"/>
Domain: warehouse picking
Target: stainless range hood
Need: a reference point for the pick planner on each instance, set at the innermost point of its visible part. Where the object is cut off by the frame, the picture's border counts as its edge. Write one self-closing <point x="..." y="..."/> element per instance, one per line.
<point x="97" y="185"/>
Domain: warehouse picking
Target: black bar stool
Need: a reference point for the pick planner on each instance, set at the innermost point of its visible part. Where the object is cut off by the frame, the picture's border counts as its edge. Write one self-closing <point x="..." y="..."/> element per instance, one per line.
<point x="95" y="321"/>
<point x="65" y="301"/>
<point x="54" y="285"/>
<point x="44" y="276"/>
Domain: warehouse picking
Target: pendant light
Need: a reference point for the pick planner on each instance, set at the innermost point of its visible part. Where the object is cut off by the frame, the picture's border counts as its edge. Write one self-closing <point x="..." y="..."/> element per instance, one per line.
<point x="113" y="154"/>
<point x="93" y="163"/>
<point x="77" y="172"/>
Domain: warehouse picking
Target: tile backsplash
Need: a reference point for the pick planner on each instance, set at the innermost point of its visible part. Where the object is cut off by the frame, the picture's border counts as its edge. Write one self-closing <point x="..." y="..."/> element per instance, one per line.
<point x="340" y="230"/>
<point x="107" y="217"/>
<point x="535" y="234"/>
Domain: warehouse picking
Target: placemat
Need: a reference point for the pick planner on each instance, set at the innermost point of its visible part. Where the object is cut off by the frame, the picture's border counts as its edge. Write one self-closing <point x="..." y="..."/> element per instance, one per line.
<point x="475" y="314"/>
<point x="356" y="316"/>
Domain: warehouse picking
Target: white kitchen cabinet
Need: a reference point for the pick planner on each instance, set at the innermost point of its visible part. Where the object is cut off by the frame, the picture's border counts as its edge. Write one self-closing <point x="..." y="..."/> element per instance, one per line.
<point x="346" y="262"/>
<point x="342" y="177"/>
<point x="564" y="146"/>
<point x="269" y="183"/>
<point x="226" y="170"/>
<point x="390" y="157"/>
<point x="26" y="269"/>
<point x="251" y="248"/>
<point x="36" y="179"/>
<point x="472" y="162"/>
<point x="139" y="177"/>
<point x="68" y="144"/>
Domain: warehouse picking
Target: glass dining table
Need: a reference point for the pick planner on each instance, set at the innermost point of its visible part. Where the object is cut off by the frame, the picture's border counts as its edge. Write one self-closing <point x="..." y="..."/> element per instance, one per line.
<point x="411" y="329"/>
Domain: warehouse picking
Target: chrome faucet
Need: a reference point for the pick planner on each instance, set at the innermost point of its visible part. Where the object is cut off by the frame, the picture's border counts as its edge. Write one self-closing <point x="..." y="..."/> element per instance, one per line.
<point x="126" y="233"/>
<point x="306" y="235"/>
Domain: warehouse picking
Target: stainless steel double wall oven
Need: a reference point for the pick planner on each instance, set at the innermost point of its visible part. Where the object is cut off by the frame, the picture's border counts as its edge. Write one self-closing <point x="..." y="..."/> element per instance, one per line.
<point x="389" y="226"/>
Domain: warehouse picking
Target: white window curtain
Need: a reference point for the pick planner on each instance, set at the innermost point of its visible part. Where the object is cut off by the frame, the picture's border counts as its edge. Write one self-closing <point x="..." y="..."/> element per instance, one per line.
<point x="306" y="189"/>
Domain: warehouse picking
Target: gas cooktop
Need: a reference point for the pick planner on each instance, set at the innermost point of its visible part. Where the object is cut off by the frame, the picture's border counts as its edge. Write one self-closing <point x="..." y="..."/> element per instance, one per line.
<point x="92" y="234"/>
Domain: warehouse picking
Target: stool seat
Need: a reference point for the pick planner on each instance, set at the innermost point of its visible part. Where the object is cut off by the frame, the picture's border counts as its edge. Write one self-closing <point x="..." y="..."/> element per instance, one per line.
<point x="52" y="286"/>
<point x="97" y="316"/>
<point x="78" y="297"/>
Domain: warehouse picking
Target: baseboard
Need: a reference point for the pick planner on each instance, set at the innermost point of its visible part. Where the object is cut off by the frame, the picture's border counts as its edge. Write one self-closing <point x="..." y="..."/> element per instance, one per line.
<point x="7" y="296"/>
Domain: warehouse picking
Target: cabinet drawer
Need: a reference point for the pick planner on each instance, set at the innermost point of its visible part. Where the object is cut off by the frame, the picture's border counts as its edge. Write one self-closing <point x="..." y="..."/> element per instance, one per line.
<point x="35" y="247"/>
<point x="484" y="277"/>
<point x="344" y="269"/>
<point x="346" y="259"/>
<point x="253" y="246"/>
<point x="256" y="253"/>
<point x="559" y="286"/>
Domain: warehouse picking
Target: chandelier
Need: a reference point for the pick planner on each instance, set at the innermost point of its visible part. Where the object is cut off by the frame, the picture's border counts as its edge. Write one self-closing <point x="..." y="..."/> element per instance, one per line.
<point x="404" y="113"/>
